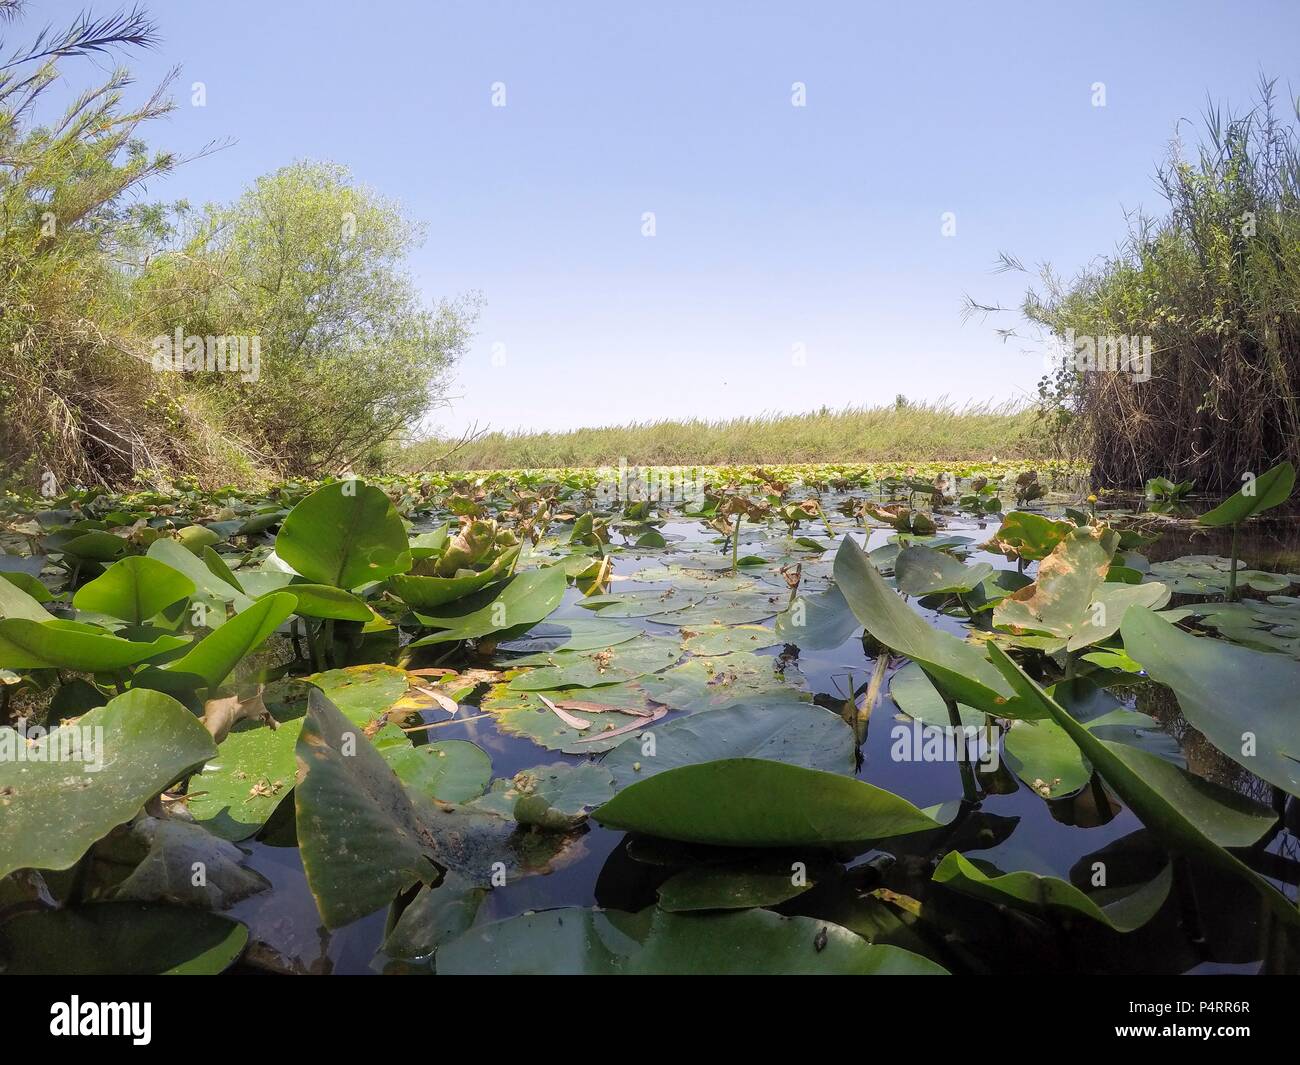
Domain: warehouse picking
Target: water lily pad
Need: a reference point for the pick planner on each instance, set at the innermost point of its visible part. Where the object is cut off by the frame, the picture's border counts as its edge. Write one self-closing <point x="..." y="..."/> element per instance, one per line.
<point x="1245" y="702"/>
<point x="733" y="886"/>
<point x="134" y="589"/>
<point x="450" y="770"/>
<point x="921" y="570"/>
<point x="120" y="939"/>
<point x="361" y="839"/>
<point x="524" y="714"/>
<point x="817" y="622"/>
<point x="723" y="639"/>
<point x="721" y="680"/>
<point x="571" y="634"/>
<point x="751" y="802"/>
<point x="642" y="603"/>
<point x="55" y="808"/>
<point x="795" y="733"/>
<point x="1123" y="911"/>
<point x="346" y="535"/>
<point x="551" y="797"/>
<point x="592" y="942"/>
<point x="589" y="669"/>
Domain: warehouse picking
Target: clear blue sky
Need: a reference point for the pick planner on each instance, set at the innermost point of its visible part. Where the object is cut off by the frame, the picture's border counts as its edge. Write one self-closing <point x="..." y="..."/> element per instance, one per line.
<point x="775" y="225"/>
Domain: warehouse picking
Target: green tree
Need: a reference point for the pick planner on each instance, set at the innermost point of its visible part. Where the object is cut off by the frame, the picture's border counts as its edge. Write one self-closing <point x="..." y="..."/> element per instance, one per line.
<point x="312" y="265"/>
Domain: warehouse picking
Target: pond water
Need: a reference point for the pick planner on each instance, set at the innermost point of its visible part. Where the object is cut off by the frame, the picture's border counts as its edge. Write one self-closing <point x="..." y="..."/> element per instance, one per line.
<point x="1209" y="924"/>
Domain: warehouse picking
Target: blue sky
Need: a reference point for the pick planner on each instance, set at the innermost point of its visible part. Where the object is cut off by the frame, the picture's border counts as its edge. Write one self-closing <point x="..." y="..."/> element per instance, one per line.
<point x="775" y="225"/>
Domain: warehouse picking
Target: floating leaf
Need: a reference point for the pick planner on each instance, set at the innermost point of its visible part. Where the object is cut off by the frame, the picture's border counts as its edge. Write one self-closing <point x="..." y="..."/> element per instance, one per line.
<point x="120" y="939"/>
<point x="795" y="733"/>
<point x="601" y="943"/>
<point x="93" y="775"/>
<point x="750" y="802"/>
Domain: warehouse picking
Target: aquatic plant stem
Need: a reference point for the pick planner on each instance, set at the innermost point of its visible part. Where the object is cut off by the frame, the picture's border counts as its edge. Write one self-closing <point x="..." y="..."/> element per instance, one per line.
<point x="968" y="792"/>
<point x="735" y="547"/>
<point x="1232" y="573"/>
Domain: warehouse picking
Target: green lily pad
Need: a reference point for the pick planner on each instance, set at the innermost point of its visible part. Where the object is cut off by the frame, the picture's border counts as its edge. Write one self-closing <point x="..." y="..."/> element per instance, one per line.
<point x="552" y="797"/>
<point x="733" y="886"/>
<point x="131" y="748"/>
<point x="590" y="942"/>
<point x="239" y="789"/>
<point x="721" y="680"/>
<point x="795" y="733"/>
<point x="525" y="599"/>
<point x="963" y="671"/>
<point x="571" y="634"/>
<point x="346" y="535"/>
<point x="782" y="806"/>
<point x="361" y="839"/>
<point x="120" y="939"/>
<point x="723" y="639"/>
<point x="450" y="770"/>
<point x="1122" y="911"/>
<point x="818" y="622"/>
<point x="1243" y="701"/>
<point x="920" y="570"/>
<point x="590" y="669"/>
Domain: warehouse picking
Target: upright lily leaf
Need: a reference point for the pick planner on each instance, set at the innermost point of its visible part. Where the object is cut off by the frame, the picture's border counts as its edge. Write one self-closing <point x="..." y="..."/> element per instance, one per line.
<point x="345" y="534"/>
<point x="525" y="599"/>
<point x="326" y="601"/>
<point x="1057" y="603"/>
<point x="1245" y="702"/>
<point x="1266" y="491"/>
<point x="1191" y="815"/>
<point x="920" y="570"/>
<point x="429" y="593"/>
<point x="817" y="622"/>
<point x="134" y="589"/>
<point x="361" y="839"/>
<point x="16" y="603"/>
<point x="213" y="657"/>
<point x="93" y="775"/>
<point x="750" y="802"/>
<point x="595" y="942"/>
<point x="1072" y="599"/>
<point x="207" y="583"/>
<point x="1029" y="536"/>
<point x="55" y="644"/>
<point x="958" y="667"/>
<point x="1122" y="911"/>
